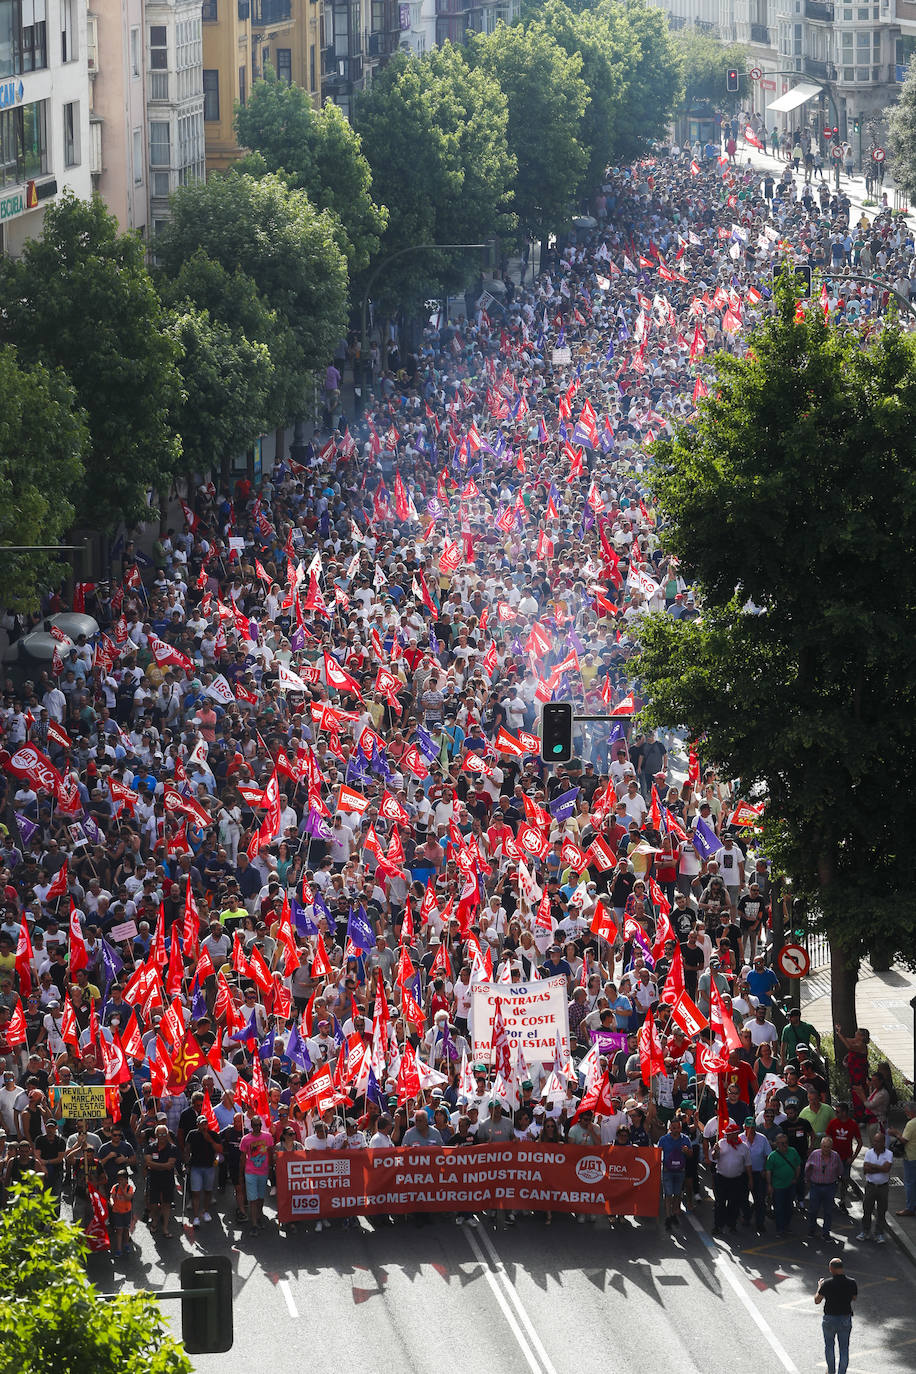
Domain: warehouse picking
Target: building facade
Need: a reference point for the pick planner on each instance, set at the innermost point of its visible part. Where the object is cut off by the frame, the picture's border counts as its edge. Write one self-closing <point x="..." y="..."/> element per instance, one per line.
<point x="847" y="58"/>
<point x="240" y="37"/>
<point x="45" y="143"/>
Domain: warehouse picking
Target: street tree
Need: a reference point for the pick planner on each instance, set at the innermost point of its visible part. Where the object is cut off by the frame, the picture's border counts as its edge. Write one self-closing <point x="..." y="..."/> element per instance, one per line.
<point x="546" y="100"/>
<point x="43" y="441"/>
<point x="50" y="1316"/>
<point x="790" y="500"/>
<point x="705" y="59"/>
<point x="317" y="151"/>
<point x="901" y="134"/>
<point x="276" y="237"/>
<point x="651" y="73"/>
<point x="80" y="298"/>
<point x="434" y="134"/>
<point x="226" y="384"/>
<point x="232" y="300"/>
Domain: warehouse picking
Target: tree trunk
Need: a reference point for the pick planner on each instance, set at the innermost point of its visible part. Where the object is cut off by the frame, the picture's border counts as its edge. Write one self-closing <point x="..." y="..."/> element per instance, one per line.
<point x="844" y="975"/>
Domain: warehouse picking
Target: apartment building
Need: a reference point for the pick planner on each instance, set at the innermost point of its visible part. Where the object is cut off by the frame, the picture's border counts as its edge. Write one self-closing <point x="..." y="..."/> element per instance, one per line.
<point x="44" y="112"/>
<point x="240" y="37"/>
<point x="823" y="63"/>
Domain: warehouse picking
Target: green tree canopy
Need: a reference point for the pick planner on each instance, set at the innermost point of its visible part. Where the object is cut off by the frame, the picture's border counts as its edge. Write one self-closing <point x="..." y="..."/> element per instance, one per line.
<point x="320" y="153"/>
<point x="705" y="60"/>
<point x="51" y="1321"/>
<point x="231" y="299"/>
<point x="434" y="134"/>
<point x="80" y="298"/>
<point x="43" y="439"/>
<point x="546" y="99"/>
<point x="227" y="382"/>
<point x="651" y="72"/>
<point x="260" y="227"/>
<point x="901" y="134"/>
<point x="795" y="489"/>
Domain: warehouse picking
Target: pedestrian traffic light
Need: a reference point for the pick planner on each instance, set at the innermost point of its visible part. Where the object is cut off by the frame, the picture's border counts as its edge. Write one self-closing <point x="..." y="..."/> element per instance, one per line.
<point x="857" y="125"/>
<point x="731" y="79"/>
<point x="801" y="271"/>
<point x="206" y="1304"/>
<point x="556" y="731"/>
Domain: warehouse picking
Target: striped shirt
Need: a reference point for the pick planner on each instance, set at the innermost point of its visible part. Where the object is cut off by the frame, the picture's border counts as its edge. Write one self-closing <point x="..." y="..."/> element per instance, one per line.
<point x="822" y="1168"/>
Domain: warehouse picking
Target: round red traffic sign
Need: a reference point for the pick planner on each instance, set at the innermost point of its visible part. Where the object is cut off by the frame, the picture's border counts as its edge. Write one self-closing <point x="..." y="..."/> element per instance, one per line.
<point x="755" y="73"/>
<point x="878" y="155"/>
<point x="793" y="961"/>
<point x="836" y="152"/>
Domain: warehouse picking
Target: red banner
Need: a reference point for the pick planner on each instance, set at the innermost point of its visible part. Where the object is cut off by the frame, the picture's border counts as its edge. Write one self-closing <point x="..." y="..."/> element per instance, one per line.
<point x="527" y="1176"/>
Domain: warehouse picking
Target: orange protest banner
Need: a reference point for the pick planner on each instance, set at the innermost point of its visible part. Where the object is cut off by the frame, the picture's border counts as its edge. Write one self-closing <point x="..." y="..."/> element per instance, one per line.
<point x="527" y="1176"/>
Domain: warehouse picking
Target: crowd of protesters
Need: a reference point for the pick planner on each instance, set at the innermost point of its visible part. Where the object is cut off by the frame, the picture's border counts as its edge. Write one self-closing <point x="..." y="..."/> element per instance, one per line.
<point x="272" y="822"/>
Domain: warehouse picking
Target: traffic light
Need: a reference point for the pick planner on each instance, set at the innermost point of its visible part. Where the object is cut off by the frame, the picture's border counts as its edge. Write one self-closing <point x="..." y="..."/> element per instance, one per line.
<point x="857" y="125"/>
<point x="801" y="271"/>
<point x="731" y="79"/>
<point x="556" y="731"/>
<point x="206" y="1311"/>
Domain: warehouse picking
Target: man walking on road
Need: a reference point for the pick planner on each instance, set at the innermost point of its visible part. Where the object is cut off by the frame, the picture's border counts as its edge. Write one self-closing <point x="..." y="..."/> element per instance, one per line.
<point x="823" y="1171"/>
<point x="837" y="1293"/>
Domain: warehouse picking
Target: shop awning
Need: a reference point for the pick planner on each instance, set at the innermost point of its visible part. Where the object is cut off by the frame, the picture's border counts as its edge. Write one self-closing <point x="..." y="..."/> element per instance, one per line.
<point x="798" y="95"/>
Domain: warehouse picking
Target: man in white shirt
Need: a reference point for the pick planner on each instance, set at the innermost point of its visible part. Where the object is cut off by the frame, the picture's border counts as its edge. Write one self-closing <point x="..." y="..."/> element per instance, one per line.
<point x="876" y="1165"/>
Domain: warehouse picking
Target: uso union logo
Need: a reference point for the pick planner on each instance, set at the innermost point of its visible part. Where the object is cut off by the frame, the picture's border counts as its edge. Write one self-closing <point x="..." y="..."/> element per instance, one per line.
<point x="590" y="1169"/>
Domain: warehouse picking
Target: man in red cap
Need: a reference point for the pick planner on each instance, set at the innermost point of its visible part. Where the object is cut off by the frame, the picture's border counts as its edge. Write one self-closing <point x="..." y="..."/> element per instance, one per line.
<point x="732" y="1180"/>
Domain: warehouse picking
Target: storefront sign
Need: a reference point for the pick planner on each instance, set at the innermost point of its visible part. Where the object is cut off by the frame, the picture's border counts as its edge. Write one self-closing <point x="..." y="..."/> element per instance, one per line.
<point x="11" y="93"/>
<point x="611" y="1180"/>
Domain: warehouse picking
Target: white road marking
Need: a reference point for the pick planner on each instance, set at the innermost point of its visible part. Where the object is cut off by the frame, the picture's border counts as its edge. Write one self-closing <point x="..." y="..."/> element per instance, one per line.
<point x="491" y="1278"/>
<point x="724" y="1265"/>
<point x="530" y="1342"/>
<point x="287" y="1292"/>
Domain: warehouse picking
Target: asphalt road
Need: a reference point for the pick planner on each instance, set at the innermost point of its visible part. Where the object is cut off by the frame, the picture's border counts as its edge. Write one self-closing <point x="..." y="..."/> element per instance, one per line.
<point x="535" y="1300"/>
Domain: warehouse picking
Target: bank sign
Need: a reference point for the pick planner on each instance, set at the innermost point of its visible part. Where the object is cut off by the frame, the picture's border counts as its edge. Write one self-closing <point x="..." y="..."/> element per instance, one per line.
<point x="11" y="93"/>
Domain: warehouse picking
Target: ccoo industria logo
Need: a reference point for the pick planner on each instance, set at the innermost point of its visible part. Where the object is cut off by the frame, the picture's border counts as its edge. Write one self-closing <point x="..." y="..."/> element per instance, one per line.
<point x="11" y="93"/>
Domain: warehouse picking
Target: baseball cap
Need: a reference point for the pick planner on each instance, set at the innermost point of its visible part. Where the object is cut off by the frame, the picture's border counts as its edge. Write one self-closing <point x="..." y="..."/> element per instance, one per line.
<point x="750" y="1121"/>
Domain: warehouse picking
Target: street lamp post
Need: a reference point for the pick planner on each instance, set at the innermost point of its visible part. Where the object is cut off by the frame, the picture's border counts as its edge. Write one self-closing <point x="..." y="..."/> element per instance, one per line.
<point x="398" y="253"/>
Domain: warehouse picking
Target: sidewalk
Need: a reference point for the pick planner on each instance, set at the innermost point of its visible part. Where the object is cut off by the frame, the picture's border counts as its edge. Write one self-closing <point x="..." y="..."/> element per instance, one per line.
<point x="883" y="1006"/>
<point x="854" y="187"/>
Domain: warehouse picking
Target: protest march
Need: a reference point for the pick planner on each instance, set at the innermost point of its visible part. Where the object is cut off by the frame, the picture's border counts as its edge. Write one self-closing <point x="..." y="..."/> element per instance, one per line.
<point x="297" y="925"/>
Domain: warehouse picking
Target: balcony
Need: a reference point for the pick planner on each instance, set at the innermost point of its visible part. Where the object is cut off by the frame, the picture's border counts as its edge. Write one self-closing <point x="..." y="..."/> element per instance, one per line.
<point x="760" y="34"/>
<point x="821" y="10"/>
<point x="266" y="13"/>
<point x="157" y="86"/>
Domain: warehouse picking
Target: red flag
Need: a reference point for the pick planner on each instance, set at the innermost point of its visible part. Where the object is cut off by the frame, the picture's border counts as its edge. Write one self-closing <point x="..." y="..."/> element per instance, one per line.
<point x="686" y="1014"/>
<point x="58" y="885"/>
<point x="502" y="1054"/>
<point x="189" y="1057"/>
<point x="603" y="924"/>
<point x="78" y="956"/>
<point x="674" y="983"/>
<point x="321" y="968"/>
<point x="651" y="1054"/>
<point x="24" y="955"/>
<point x="15" y="1032"/>
<point x="720" y="1018"/>
<point x="408" y="1084"/>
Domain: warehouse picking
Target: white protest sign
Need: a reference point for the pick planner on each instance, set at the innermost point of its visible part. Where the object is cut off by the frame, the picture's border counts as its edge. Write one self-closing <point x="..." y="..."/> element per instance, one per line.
<point x="534" y="1013"/>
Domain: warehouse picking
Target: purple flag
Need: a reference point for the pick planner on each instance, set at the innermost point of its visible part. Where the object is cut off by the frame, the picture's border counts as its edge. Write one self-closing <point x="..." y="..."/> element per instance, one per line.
<point x="705" y="840"/>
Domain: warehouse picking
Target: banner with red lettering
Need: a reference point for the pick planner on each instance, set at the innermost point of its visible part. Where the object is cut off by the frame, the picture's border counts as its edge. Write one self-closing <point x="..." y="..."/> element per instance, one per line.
<point x="527" y="1176"/>
<point x="536" y="1016"/>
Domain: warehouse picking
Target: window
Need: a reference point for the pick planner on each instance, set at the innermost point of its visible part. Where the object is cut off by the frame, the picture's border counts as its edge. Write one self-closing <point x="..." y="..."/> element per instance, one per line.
<point x="285" y="65"/>
<point x="158" y="48"/>
<point x="34" y="35"/>
<point x="23" y="143"/>
<point x="68" y="32"/>
<point x="137" y="141"/>
<point x="312" y="83"/>
<point x="209" y="12"/>
<point x="162" y="184"/>
<point x="243" y="84"/>
<point x="135" y="52"/>
<point x="72" y="134"/>
<point x="265" y="60"/>
<point x="159" y="143"/>
<point x="211" y="95"/>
